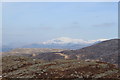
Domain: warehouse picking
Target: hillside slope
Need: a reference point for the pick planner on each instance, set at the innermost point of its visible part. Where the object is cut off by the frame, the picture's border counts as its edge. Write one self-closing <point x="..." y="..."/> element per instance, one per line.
<point x="23" y="67"/>
<point x="106" y="51"/>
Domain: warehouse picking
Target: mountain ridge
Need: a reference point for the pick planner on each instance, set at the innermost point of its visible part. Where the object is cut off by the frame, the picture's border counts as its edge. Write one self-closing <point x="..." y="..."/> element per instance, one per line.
<point x="64" y="43"/>
<point x="58" y="43"/>
<point x="104" y="51"/>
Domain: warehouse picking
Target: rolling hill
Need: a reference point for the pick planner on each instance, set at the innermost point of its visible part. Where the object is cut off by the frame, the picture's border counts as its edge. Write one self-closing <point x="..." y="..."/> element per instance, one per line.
<point x="104" y="51"/>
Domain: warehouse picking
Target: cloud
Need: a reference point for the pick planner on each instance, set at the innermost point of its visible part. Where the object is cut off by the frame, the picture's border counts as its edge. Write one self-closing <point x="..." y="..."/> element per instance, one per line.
<point x="75" y="22"/>
<point x="105" y="25"/>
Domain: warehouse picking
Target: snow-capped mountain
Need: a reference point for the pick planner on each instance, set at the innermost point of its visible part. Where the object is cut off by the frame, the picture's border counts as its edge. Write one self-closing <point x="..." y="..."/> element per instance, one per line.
<point x="66" y="40"/>
<point x="64" y="43"/>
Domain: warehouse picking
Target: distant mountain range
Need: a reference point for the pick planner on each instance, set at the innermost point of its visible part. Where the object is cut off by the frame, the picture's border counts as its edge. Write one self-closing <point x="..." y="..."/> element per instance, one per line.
<point x="58" y="43"/>
<point x="104" y="51"/>
<point x="64" y="43"/>
<point x="5" y="48"/>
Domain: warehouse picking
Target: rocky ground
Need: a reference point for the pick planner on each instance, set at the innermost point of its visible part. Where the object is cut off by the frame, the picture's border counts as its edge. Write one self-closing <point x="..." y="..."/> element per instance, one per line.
<point x="24" y="67"/>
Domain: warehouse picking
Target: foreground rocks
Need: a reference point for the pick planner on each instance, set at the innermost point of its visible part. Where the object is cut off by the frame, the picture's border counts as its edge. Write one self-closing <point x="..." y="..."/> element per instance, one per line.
<point x="23" y="67"/>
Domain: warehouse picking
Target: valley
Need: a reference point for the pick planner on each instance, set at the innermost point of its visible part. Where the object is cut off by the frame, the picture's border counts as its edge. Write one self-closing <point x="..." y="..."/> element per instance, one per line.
<point x="99" y="60"/>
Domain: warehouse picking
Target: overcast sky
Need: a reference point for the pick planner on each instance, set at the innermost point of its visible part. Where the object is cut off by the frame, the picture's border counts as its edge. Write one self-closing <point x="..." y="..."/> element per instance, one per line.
<point x="29" y="22"/>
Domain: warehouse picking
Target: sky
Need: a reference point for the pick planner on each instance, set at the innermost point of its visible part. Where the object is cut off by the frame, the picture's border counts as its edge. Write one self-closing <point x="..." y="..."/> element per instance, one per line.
<point x="30" y="22"/>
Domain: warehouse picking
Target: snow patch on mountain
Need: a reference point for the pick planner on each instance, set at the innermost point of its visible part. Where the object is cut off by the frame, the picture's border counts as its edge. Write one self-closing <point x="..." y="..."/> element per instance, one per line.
<point x="66" y="40"/>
